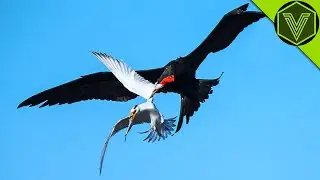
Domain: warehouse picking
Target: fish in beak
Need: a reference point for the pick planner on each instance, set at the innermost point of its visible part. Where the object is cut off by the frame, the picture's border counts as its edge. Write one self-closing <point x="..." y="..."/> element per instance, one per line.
<point x="132" y="115"/>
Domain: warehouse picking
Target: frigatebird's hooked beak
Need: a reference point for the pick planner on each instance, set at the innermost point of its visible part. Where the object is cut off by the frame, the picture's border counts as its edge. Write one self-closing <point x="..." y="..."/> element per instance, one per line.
<point x="156" y="89"/>
<point x="166" y="80"/>
<point x="153" y="92"/>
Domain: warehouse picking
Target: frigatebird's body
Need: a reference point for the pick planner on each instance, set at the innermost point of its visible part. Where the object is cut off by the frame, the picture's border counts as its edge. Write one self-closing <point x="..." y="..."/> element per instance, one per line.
<point x="177" y="76"/>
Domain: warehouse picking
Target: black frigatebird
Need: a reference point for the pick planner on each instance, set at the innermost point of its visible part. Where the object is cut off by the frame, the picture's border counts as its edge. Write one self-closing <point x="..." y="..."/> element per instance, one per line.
<point x="177" y="76"/>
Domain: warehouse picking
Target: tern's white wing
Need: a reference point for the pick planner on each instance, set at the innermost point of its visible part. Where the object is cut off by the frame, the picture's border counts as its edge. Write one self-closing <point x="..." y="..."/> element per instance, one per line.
<point x="127" y="76"/>
<point x="121" y="124"/>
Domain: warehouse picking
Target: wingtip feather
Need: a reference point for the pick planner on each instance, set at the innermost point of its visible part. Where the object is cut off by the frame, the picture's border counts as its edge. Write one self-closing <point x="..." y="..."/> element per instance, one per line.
<point x="244" y="7"/>
<point x="24" y="103"/>
<point x="20" y="105"/>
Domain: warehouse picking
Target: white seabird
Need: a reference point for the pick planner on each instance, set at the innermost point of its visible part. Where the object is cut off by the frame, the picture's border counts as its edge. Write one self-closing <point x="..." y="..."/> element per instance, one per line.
<point x="146" y="112"/>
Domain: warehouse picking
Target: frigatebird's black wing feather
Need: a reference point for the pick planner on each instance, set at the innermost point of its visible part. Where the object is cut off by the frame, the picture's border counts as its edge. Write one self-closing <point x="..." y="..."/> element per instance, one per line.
<point x="101" y="85"/>
<point x="223" y="34"/>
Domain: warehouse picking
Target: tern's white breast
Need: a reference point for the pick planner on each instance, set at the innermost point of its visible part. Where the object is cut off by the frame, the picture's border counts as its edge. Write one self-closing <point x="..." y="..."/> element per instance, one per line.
<point x="152" y="111"/>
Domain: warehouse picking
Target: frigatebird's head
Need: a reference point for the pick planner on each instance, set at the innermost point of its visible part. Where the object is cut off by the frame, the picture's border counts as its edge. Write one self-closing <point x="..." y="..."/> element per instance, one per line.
<point x="167" y="77"/>
<point x="132" y="115"/>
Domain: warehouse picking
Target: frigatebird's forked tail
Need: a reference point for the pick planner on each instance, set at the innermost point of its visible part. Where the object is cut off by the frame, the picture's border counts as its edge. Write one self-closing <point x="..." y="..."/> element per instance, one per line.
<point x="189" y="106"/>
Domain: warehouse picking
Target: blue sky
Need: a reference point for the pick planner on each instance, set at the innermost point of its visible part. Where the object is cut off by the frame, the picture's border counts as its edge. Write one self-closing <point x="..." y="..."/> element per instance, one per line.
<point x="261" y="122"/>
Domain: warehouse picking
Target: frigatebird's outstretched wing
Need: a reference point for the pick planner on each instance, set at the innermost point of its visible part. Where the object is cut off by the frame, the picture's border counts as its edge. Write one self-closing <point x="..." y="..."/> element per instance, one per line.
<point x="101" y="85"/>
<point x="223" y="34"/>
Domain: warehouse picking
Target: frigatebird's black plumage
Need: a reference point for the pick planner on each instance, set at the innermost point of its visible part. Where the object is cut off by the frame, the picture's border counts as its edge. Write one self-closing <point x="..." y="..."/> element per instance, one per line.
<point x="180" y="74"/>
<point x="177" y="76"/>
